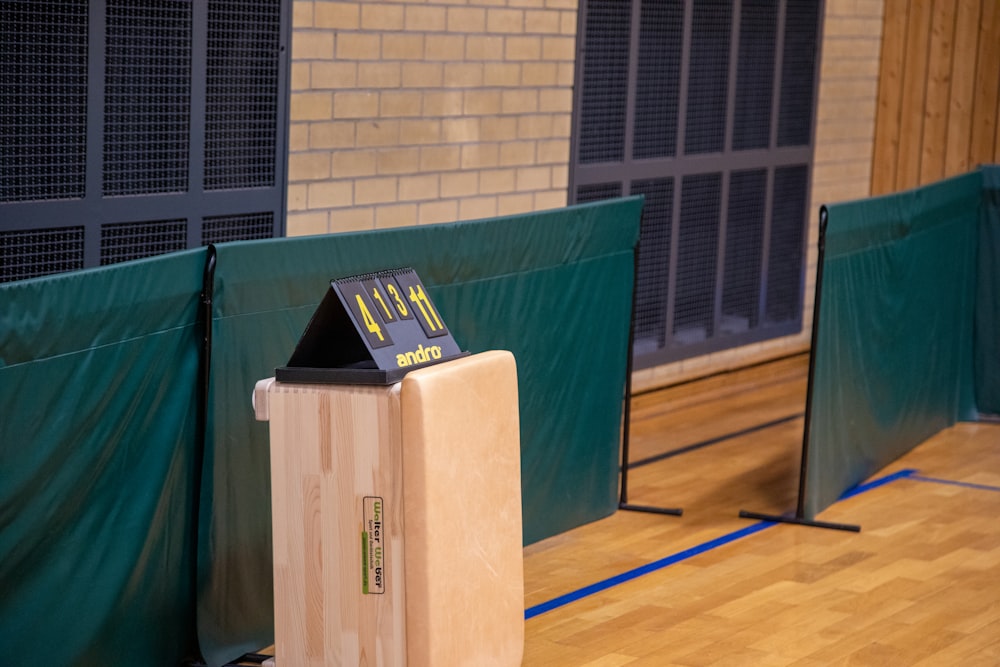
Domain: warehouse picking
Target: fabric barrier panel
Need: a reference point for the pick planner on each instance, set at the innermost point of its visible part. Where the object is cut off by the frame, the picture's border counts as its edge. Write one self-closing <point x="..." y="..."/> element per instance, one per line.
<point x="552" y="287"/>
<point x="97" y="378"/>
<point x="987" y="334"/>
<point x="894" y="357"/>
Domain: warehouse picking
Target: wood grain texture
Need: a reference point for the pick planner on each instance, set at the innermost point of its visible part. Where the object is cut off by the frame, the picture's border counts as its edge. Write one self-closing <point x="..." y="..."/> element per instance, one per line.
<point x="941" y="49"/>
<point x="890" y="87"/>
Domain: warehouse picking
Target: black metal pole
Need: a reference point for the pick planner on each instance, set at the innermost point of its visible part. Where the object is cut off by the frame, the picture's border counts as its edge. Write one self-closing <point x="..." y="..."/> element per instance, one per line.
<point x="627" y="425"/>
<point x="800" y="508"/>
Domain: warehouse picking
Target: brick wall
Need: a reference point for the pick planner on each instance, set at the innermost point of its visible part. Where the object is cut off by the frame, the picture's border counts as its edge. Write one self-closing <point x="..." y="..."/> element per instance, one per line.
<point x="409" y="113"/>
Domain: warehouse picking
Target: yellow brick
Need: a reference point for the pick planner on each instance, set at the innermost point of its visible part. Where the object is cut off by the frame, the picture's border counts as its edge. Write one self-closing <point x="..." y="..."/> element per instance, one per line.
<point x="356" y="46"/>
<point x="558" y="48"/>
<point x="566" y="73"/>
<point x="399" y="161"/>
<point x="425" y="19"/>
<point x="419" y="132"/>
<point x="379" y="75"/>
<point x="334" y="75"/>
<point x="507" y="21"/>
<point x="330" y="194"/>
<point x="477" y="156"/>
<point x="514" y="204"/>
<point x="459" y="130"/>
<point x="460" y="184"/>
<point x="302" y="15"/>
<point x="481" y="103"/>
<point x="423" y="75"/>
<point x="298" y="137"/>
<point x="497" y="180"/>
<point x="308" y="224"/>
<point x="375" y="190"/>
<point x="419" y="187"/>
<point x="517" y="153"/>
<point x="540" y="74"/>
<point x="538" y="126"/>
<point x="533" y="178"/>
<point x="537" y="4"/>
<point x="519" y="101"/>
<point x="311" y="106"/>
<point x="435" y="212"/>
<point x="562" y="125"/>
<point x="311" y="45"/>
<point x="340" y="15"/>
<point x="352" y="219"/>
<point x="381" y="17"/>
<point x="300" y="76"/>
<point x="562" y="4"/>
<point x="483" y="47"/>
<point x="443" y="103"/>
<point x="499" y="128"/>
<point x="523" y="48"/>
<point x="399" y="103"/>
<point x="355" y="105"/>
<point x="560" y="177"/>
<point x="395" y="215"/>
<point x="297" y="196"/>
<point x="502" y="74"/>
<point x="476" y="208"/>
<point x="556" y="100"/>
<point x="551" y="199"/>
<point x="308" y="166"/>
<point x="380" y="133"/>
<point x="466" y="19"/>
<point x="553" y="151"/>
<point x="445" y="47"/>
<point x="463" y="75"/>
<point x="352" y="164"/>
<point x="440" y="158"/>
<point x="332" y="135"/>
<point x="402" y="46"/>
<point x="542" y="21"/>
<point x="567" y="23"/>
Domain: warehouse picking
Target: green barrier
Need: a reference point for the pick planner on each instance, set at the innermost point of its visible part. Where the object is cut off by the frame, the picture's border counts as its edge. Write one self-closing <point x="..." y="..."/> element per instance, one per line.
<point x="553" y="287"/>
<point x="987" y="332"/>
<point x="98" y="371"/>
<point x="894" y="353"/>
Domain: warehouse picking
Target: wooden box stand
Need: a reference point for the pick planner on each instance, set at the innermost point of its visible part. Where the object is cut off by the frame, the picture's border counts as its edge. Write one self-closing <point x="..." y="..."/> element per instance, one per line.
<point x="397" y="518"/>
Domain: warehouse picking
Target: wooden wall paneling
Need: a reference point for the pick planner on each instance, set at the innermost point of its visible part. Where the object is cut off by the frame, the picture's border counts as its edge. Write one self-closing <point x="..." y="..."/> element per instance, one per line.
<point x="958" y="146"/>
<point x="935" y="134"/>
<point x="911" y="120"/>
<point x="985" y="135"/>
<point x="890" y="89"/>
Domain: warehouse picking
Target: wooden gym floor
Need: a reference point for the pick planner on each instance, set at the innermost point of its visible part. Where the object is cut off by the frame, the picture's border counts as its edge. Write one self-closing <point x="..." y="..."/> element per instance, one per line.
<point x="919" y="585"/>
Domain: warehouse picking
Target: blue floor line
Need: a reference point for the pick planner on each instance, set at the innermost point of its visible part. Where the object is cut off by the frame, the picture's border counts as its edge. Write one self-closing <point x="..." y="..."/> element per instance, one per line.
<point x="968" y="485"/>
<point x="605" y="584"/>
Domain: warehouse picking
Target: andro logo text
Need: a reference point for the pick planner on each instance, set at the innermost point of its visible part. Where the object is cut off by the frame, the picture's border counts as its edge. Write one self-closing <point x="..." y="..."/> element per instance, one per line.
<point x="419" y="356"/>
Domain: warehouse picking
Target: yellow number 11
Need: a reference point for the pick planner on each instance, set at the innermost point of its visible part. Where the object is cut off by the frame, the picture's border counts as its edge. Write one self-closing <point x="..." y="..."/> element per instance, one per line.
<point x="418" y="297"/>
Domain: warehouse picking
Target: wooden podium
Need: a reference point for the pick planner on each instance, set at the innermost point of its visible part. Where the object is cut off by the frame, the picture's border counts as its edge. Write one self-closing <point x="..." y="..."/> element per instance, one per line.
<point x="397" y="518"/>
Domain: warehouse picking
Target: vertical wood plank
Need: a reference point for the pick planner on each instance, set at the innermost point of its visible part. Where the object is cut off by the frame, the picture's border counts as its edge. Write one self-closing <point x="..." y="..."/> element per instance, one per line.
<point x="911" y="120"/>
<point x="935" y="134"/>
<point x="958" y="148"/>
<point x="985" y="108"/>
<point x="890" y="91"/>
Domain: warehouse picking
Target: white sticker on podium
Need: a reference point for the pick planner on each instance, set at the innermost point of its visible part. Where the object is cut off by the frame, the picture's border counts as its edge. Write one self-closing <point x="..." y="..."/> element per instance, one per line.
<point x="372" y="547"/>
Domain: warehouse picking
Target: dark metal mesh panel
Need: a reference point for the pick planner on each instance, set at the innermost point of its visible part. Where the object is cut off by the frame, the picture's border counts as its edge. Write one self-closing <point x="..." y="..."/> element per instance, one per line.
<point x="744" y="242"/>
<point x="605" y="81"/>
<point x="697" y="252"/>
<point x="147" y="97"/>
<point x="755" y="75"/>
<point x="798" y="74"/>
<point x="598" y="191"/>
<point x="39" y="252"/>
<point x="653" y="278"/>
<point x="242" y="107"/>
<point x="659" y="74"/>
<point x="43" y="100"/>
<point x="219" y="229"/>
<point x="708" y="77"/>
<point x="784" y="275"/>
<point x="133" y="240"/>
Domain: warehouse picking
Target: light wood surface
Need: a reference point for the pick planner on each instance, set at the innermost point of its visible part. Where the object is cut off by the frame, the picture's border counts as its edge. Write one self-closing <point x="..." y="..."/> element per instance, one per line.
<point x="397" y="518"/>
<point x="919" y="585"/>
